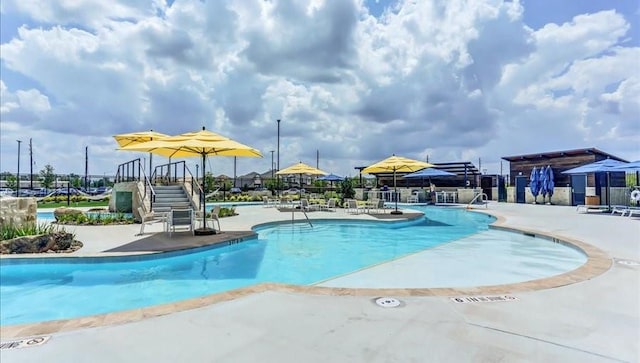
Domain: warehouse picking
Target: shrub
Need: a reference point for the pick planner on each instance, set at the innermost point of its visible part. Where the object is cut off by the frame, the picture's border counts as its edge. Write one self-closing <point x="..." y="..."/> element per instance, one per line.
<point x="10" y="231"/>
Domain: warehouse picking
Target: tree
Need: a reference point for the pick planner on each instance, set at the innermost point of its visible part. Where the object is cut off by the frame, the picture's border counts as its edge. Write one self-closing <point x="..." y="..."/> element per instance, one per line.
<point x="346" y="190"/>
<point x="12" y="182"/>
<point x="75" y="180"/>
<point x="47" y="176"/>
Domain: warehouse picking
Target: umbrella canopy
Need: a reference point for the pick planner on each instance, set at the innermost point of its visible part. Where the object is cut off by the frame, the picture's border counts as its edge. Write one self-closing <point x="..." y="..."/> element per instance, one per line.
<point x="301" y="168"/>
<point x="331" y="178"/>
<point x="534" y="183"/>
<point x="428" y="173"/>
<point x="134" y="138"/>
<point x="628" y="167"/>
<point x="202" y="143"/>
<point x="602" y="166"/>
<point x="548" y="181"/>
<point x="396" y="164"/>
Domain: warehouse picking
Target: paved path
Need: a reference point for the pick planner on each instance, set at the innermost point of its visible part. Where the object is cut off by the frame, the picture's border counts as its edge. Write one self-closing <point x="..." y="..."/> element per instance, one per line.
<point x="591" y="321"/>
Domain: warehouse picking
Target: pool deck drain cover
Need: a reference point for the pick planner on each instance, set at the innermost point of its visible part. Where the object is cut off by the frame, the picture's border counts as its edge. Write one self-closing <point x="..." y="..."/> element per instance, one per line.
<point x="388" y="302"/>
<point x="480" y="299"/>
<point x="24" y="343"/>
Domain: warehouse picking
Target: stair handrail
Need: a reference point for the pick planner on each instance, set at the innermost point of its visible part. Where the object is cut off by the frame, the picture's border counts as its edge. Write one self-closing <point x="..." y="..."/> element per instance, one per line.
<point x="127" y="171"/>
<point x="178" y="172"/>
<point x="484" y="198"/>
<point x="152" y="192"/>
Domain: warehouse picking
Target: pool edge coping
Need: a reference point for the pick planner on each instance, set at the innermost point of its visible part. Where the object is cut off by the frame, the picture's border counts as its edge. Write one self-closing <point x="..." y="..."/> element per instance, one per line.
<point x="598" y="262"/>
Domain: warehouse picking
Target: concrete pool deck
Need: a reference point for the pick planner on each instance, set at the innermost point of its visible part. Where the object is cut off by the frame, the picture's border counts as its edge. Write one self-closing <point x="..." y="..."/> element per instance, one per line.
<point x="596" y="319"/>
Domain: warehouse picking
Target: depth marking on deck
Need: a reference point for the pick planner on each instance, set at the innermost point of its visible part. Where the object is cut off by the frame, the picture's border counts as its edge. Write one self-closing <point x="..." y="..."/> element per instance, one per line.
<point x="482" y="299"/>
<point x="24" y="343"/>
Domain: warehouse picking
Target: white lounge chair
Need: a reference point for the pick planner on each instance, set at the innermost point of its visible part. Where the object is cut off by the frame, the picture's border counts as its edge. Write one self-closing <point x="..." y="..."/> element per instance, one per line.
<point x="622" y="209"/>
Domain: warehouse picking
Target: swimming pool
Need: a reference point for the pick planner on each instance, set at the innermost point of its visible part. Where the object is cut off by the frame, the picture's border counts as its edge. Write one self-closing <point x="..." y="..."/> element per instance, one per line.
<point x="50" y="289"/>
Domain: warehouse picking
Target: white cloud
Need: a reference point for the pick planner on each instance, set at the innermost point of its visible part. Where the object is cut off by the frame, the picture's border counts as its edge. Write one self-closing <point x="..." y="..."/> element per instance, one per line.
<point x="454" y="80"/>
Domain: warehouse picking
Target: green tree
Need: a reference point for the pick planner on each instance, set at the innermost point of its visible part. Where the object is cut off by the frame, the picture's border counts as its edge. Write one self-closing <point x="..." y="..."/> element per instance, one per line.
<point x="12" y="182"/>
<point x="346" y="190"/>
<point x="47" y="176"/>
<point x="75" y="180"/>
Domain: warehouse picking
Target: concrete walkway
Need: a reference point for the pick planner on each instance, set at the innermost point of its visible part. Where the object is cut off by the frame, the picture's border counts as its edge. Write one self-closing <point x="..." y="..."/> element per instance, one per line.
<point x="597" y="320"/>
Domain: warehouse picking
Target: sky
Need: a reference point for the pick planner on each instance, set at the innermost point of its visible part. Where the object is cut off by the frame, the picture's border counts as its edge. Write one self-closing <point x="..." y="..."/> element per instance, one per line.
<point x="352" y="81"/>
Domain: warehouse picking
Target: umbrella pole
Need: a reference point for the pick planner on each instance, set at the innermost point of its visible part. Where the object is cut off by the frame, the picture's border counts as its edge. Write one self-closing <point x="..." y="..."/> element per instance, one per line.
<point x="203" y="201"/>
<point x="395" y="192"/>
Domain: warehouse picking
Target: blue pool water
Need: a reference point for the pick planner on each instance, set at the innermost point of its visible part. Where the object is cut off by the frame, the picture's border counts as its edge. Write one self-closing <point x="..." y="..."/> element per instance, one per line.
<point x="61" y="288"/>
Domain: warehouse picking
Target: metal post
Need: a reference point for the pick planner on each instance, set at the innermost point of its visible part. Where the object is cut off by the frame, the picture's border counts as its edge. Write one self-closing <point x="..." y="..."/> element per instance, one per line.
<point x="86" y="167"/>
<point x="272" y="151"/>
<point x="18" y="173"/>
<point x="278" y="168"/>
<point x="30" y="165"/>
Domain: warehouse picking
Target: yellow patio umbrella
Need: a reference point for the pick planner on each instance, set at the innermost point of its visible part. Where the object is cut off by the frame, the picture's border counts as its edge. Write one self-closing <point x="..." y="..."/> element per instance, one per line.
<point x="201" y="143"/>
<point x="134" y="138"/>
<point x="396" y="164"/>
<point x="301" y="168"/>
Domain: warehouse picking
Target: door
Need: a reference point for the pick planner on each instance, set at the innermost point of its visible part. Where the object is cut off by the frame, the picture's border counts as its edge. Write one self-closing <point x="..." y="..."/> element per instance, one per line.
<point x="521" y="184"/>
<point x="578" y="189"/>
<point x="486" y="183"/>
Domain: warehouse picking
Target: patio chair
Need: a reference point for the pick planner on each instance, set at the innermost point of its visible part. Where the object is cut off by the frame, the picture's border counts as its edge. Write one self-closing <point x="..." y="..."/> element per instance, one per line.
<point x="309" y="207"/>
<point x="180" y="218"/>
<point x="352" y="206"/>
<point x="622" y="209"/>
<point x="212" y="219"/>
<point x="331" y="204"/>
<point x="149" y="218"/>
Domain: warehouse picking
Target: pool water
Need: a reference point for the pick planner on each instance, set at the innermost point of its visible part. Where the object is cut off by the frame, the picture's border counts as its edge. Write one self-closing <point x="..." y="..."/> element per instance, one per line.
<point x="62" y="288"/>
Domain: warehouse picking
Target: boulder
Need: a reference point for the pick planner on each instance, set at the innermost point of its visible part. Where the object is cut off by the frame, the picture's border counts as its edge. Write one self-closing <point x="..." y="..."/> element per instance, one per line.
<point x="55" y="242"/>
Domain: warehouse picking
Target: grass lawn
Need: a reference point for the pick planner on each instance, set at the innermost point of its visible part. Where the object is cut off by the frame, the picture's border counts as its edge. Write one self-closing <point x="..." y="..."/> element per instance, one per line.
<point x="91" y="204"/>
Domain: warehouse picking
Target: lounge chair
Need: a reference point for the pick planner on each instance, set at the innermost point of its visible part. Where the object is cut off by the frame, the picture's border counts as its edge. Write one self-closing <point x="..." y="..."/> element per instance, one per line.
<point x="149" y="218"/>
<point x="270" y="202"/>
<point x="586" y="208"/>
<point x="622" y="209"/>
<point x="633" y="211"/>
<point x="331" y="204"/>
<point x="309" y="207"/>
<point x="352" y="207"/>
<point x="180" y="218"/>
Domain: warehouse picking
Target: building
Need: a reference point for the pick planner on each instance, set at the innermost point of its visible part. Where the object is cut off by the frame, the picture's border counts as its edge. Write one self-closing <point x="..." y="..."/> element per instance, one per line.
<point x="569" y="189"/>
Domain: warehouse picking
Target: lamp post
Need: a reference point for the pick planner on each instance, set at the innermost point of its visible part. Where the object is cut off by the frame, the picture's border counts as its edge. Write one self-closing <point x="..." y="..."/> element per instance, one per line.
<point x="278" y="166"/>
<point x="272" y="151"/>
<point x="18" y="173"/>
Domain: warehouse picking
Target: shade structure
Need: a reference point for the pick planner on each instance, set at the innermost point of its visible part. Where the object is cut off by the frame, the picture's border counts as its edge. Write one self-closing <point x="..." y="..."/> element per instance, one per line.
<point x="602" y="166"/>
<point x="134" y="138"/>
<point x="202" y="143"/>
<point x="396" y="164"/>
<point x="301" y="168"/>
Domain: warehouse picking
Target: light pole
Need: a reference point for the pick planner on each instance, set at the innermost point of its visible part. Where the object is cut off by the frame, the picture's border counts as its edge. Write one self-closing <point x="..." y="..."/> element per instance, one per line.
<point x="278" y="166"/>
<point x="18" y="173"/>
<point x="272" y="151"/>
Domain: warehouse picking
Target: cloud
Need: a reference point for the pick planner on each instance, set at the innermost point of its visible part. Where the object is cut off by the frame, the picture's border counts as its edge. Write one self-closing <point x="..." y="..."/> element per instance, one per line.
<point x="451" y="81"/>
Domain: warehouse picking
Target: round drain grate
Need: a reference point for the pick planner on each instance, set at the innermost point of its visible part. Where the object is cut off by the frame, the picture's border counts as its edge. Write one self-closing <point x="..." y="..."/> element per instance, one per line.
<point x="388" y="302"/>
<point x="629" y="262"/>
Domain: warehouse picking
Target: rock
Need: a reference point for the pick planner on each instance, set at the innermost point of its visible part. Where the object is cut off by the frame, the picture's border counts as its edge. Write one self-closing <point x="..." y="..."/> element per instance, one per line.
<point x="62" y="211"/>
<point x="49" y="243"/>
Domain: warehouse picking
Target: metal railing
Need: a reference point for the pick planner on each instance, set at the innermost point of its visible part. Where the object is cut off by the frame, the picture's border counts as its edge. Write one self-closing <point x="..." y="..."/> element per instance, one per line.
<point x="483" y="198"/>
<point x="178" y="173"/>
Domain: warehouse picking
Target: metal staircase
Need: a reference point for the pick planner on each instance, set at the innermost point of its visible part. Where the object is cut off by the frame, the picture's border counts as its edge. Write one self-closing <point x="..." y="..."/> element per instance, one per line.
<point x="170" y="197"/>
